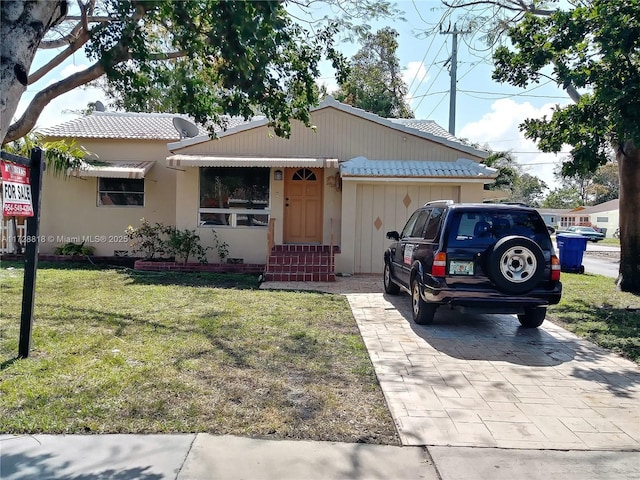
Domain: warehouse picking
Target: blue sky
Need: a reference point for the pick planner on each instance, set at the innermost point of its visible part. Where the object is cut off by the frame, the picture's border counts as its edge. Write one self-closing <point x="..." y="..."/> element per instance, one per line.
<point x="486" y="112"/>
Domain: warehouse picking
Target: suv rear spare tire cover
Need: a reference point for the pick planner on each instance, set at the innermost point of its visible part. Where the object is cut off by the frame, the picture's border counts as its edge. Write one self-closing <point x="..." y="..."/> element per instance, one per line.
<point x="515" y="264"/>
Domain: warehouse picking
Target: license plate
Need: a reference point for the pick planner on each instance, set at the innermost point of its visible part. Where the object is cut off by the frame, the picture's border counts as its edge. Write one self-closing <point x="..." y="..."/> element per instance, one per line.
<point x="460" y="268"/>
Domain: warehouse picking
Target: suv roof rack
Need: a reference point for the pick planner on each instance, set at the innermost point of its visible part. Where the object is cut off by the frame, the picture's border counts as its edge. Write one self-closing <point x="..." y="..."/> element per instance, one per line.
<point x="519" y="204"/>
<point x="446" y="202"/>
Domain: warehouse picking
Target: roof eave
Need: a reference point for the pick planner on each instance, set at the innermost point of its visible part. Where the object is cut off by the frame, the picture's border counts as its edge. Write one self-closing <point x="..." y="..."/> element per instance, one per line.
<point x="404" y="179"/>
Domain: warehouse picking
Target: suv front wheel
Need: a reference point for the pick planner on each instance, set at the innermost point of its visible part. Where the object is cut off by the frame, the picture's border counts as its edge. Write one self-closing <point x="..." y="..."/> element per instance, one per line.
<point x="389" y="287"/>
<point x="422" y="311"/>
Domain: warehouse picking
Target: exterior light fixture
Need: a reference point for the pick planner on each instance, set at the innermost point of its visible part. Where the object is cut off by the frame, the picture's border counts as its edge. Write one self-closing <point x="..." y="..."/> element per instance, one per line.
<point x="277" y="175"/>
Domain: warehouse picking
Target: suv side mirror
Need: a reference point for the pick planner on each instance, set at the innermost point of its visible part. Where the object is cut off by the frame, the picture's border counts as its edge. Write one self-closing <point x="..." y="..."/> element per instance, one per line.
<point x="393" y="235"/>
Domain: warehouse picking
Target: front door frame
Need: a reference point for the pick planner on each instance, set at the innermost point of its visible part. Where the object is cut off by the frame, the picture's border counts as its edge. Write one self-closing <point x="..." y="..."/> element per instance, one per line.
<point x="301" y="201"/>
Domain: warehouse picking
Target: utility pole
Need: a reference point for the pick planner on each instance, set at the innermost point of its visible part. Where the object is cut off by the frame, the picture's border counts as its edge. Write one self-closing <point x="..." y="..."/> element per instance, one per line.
<point x="453" y="73"/>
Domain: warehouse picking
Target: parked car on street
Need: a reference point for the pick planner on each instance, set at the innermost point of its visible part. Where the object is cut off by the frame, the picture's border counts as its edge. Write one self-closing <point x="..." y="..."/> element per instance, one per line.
<point x="489" y="258"/>
<point x="591" y="233"/>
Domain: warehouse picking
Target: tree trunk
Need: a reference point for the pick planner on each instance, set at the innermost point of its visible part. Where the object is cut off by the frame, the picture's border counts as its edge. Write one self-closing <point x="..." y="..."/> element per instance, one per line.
<point x="23" y="26"/>
<point x="629" y="168"/>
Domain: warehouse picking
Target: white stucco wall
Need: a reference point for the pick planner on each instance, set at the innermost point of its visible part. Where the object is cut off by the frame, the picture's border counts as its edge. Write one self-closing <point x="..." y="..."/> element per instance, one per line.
<point x="70" y="211"/>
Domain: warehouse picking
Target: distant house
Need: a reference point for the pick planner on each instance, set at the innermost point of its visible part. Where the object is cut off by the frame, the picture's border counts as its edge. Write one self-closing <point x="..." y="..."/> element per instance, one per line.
<point x="342" y="184"/>
<point x="552" y="216"/>
<point x="605" y="217"/>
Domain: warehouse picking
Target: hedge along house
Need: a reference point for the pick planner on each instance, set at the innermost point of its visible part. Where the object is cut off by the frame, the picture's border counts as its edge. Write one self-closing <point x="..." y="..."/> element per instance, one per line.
<point x="317" y="203"/>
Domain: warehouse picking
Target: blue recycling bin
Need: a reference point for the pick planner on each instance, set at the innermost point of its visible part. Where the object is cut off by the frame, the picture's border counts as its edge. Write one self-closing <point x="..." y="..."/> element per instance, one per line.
<point x="571" y="247"/>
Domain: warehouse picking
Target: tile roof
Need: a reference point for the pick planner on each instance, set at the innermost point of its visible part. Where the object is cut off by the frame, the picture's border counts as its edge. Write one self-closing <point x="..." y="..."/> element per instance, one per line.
<point x="125" y="125"/>
<point x="363" y="167"/>
<point x="426" y="126"/>
<point x="602" y="207"/>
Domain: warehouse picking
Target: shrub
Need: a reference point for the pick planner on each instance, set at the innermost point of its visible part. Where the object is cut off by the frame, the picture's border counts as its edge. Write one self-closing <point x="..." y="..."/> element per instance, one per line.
<point x="71" y="248"/>
<point x="221" y="247"/>
<point x="148" y="239"/>
<point x="184" y="243"/>
<point x="160" y="241"/>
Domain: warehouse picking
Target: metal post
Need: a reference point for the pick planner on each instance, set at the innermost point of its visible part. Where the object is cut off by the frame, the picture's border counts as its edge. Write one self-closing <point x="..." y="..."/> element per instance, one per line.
<point x="31" y="253"/>
<point x="454" y="78"/>
<point x="454" y="81"/>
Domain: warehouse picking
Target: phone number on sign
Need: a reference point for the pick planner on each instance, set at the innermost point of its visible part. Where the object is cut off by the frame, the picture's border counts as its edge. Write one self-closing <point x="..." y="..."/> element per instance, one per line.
<point x="18" y="209"/>
<point x="67" y="239"/>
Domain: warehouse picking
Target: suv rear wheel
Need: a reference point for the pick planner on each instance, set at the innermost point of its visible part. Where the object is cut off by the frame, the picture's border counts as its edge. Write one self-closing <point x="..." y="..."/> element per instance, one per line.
<point x="516" y="265"/>
<point x="532" y="317"/>
<point x="422" y="311"/>
<point x="389" y="287"/>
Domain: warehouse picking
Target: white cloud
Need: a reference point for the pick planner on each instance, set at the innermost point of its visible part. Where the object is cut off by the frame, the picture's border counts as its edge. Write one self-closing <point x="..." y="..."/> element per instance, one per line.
<point x="414" y="75"/>
<point x="499" y="130"/>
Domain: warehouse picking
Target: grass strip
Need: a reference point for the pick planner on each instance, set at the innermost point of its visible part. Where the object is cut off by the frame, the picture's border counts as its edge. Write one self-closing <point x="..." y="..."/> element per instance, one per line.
<point x="593" y="308"/>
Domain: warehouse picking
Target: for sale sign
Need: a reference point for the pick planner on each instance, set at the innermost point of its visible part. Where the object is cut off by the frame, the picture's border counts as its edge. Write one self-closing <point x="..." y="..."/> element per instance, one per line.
<point x="16" y="191"/>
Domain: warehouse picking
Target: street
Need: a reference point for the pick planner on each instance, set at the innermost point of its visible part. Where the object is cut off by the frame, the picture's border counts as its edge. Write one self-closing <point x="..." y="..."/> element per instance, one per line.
<point x="600" y="259"/>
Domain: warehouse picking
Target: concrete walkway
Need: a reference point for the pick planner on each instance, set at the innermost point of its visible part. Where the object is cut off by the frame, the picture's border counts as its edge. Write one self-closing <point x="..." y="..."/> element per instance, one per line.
<point x="483" y="381"/>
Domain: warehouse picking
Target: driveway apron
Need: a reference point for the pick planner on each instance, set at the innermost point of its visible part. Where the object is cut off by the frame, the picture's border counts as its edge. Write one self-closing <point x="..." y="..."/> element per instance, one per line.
<point x="484" y="381"/>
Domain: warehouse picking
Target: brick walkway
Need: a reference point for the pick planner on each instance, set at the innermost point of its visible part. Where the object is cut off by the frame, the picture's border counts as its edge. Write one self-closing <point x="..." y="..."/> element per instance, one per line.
<point x="480" y="380"/>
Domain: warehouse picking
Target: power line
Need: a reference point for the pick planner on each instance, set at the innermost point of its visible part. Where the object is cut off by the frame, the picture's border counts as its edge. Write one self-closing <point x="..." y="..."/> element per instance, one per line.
<point x="428" y="94"/>
<point x="501" y="95"/>
<point x="538" y="151"/>
<point x="535" y="164"/>
<point x="434" y="79"/>
<point x="437" y="104"/>
<point x="433" y="37"/>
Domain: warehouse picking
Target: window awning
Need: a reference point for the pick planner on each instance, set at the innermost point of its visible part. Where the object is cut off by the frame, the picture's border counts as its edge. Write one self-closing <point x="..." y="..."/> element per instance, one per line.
<point x="114" y="169"/>
<point x="225" y="161"/>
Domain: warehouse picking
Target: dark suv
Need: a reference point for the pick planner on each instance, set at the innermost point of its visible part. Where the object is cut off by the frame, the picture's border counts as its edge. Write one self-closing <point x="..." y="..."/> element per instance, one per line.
<point x="492" y="258"/>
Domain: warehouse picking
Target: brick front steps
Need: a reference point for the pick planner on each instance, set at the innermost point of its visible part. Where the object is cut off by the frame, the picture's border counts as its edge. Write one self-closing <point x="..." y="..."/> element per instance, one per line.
<point x="249" y="268"/>
<point x="301" y="263"/>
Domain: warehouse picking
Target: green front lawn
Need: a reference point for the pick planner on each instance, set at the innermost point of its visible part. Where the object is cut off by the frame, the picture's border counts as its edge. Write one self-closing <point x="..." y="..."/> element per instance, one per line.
<point x="593" y="308"/>
<point x="610" y="241"/>
<point x="124" y="351"/>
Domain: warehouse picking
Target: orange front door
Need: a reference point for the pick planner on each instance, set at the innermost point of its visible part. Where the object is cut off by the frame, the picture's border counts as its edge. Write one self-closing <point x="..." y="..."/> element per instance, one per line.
<point x="303" y="205"/>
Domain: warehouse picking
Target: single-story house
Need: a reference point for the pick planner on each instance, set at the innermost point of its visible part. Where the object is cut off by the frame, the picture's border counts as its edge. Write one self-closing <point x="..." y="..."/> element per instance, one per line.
<point x="605" y="217"/>
<point x="342" y="184"/>
<point x="552" y="216"/>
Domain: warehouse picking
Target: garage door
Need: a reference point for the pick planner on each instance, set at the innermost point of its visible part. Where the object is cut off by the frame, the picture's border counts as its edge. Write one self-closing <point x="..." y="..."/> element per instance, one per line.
<point x="381" y="208"/>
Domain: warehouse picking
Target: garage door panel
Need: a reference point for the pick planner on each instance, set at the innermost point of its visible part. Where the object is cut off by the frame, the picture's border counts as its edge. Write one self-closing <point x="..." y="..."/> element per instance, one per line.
<point x="384" y="207"/>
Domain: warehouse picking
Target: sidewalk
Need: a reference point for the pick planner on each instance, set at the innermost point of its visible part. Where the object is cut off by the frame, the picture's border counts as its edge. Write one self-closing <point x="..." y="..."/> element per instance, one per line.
<point x="202" y="456"/>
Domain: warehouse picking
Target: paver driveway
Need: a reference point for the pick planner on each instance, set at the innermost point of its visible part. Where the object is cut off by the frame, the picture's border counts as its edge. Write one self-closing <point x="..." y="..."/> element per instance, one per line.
<point x="483" y="381"/>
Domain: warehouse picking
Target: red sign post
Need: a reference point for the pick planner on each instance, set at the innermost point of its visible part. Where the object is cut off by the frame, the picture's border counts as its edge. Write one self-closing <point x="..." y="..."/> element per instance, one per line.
<point x="21" y="188"/>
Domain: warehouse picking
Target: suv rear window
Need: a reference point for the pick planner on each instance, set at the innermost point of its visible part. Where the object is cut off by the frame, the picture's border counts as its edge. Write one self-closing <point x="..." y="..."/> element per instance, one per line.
<point x="480" y="227"/>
